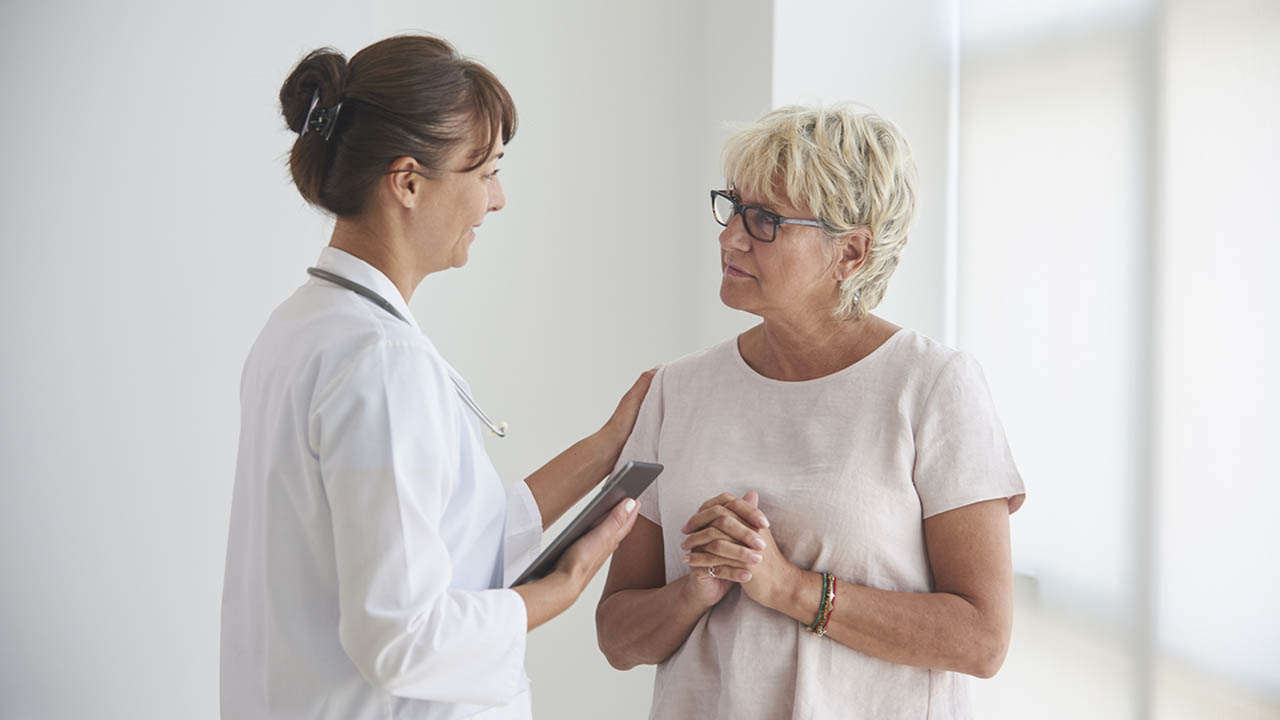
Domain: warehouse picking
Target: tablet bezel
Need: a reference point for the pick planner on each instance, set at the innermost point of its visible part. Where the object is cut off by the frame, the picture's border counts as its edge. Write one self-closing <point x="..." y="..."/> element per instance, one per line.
<point x="628" y="482"/>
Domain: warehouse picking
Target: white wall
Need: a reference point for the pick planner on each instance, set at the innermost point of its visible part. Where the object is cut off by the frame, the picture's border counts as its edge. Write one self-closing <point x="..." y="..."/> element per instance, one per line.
<point x="150" y="227"/>
<point x="895" y="59"/>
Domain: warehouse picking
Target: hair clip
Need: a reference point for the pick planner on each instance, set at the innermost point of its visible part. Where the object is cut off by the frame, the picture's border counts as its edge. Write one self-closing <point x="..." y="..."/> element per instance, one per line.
<point x="321" y="120"/>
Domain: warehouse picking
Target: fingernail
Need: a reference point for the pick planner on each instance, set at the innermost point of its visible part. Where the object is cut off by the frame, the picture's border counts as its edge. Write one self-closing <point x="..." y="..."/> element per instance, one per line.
<point x="746" y="577"/>
<point x="685" y="558"/>
<point x="759" y="544"/>
<point x="753" y="557"/>
<point x="631" y="505"/>
<point x="766" y="522"/>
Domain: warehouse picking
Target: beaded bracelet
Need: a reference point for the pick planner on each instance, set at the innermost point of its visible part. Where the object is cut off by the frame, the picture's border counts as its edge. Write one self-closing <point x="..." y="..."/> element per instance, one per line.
<point x="818" y="626"/>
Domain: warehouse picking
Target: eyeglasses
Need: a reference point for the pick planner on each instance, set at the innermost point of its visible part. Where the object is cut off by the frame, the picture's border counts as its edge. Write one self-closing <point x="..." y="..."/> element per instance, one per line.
<point x="760" y="223"/>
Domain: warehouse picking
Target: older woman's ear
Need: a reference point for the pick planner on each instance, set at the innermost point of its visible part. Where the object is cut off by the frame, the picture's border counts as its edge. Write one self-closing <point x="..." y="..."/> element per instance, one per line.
<point x="852" y="252"/>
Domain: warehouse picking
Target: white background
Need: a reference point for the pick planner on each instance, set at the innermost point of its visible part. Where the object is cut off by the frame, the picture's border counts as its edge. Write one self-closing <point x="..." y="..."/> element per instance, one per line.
<point x="149" y="227"/>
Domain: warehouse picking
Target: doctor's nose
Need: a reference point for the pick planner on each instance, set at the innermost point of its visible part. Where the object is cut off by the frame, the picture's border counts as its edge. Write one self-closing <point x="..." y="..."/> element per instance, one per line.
<point x="497" y="198"/>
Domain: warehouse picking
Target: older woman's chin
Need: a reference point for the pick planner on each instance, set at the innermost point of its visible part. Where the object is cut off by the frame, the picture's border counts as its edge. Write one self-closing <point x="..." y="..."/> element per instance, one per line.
<point x="732" y="297"/>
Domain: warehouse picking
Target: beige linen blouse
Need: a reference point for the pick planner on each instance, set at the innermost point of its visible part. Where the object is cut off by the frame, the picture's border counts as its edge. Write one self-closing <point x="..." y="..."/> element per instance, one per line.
<point x="847" y="467"/>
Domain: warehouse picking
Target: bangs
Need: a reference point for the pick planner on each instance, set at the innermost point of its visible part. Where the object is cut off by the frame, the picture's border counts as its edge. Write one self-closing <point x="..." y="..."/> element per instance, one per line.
<point x="767" y="161"/>
<point x="492" y="112"/>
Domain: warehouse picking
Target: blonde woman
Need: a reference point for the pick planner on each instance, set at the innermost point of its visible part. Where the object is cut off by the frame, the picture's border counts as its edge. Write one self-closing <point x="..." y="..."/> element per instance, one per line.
<point x="831" y="535"/>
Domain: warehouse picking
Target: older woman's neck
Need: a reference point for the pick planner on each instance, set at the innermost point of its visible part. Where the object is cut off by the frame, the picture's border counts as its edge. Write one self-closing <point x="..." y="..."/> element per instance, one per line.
<point x="800" y="350"/>
<point x="378" y="245"/>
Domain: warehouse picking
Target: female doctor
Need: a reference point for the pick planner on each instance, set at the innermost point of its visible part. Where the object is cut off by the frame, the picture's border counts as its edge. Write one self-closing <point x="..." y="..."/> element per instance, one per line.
<point x="371" y="538"/>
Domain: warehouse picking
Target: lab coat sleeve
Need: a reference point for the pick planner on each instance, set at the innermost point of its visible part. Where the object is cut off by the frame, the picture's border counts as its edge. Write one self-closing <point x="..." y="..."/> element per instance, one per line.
<point x="388" y="450"/>
<point x="523" y="532"/>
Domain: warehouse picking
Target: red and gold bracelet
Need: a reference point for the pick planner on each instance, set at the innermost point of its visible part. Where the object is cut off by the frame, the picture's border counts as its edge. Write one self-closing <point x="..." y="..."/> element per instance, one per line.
<point x="831" y="607"/>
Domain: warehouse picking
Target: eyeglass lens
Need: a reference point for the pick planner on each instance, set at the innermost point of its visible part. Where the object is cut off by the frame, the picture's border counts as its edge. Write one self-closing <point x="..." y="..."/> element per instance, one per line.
<point x="758" y="223"/>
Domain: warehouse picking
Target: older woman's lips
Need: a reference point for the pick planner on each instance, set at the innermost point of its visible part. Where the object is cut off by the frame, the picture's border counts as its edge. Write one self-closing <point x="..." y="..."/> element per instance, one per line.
<point x="732" y="271"/>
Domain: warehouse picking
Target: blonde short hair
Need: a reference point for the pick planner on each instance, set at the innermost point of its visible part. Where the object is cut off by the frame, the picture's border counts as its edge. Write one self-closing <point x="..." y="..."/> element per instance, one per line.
<point x="849" y="167"/>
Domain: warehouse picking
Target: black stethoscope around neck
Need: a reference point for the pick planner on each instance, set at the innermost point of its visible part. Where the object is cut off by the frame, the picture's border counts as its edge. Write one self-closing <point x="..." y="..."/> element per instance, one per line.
<point x="499" y="429"/>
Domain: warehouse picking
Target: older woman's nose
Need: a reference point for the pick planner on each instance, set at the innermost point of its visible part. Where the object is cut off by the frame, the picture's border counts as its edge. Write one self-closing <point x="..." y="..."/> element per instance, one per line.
<point x="734" y="235"/>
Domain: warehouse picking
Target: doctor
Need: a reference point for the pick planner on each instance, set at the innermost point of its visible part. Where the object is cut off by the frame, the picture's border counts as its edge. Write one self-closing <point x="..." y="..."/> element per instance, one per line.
<point x="371" y="539"/>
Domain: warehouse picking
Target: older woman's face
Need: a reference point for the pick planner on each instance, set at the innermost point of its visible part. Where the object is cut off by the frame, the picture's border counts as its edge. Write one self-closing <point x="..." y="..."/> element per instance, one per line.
<point x="792" y="275"/>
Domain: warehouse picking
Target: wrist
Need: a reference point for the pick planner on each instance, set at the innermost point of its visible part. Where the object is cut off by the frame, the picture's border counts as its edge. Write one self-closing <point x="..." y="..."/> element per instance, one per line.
<point x="569" y="582"/>
<point x="606" y="446"/>
<point x="791" y="596"/>
<point x="689" y="595"/>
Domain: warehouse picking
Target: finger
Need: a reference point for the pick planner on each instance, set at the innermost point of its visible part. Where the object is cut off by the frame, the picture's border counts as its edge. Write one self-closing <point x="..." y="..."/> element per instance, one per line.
<point x="748" y="512"/>
<point x="703" y="559"/>
<point x="752" y="497"/>
<point x="721" y="499"/>
<point x="729" y="523"/>
<point x="706" y="514"/>
<point x="738" y="533"/>
<point x="642" y="383"/>
<point x="731" y="574"/>
<point x="730" y="550"/>
<point x="633" y="512"/>
<point x="743" y="509"/>
<point x="703" y="536"/>
<point x="620" y="519"/>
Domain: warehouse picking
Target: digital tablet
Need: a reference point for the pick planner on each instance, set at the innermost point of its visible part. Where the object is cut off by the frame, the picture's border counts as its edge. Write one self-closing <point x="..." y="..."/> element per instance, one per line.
<point x="630" y="480"/>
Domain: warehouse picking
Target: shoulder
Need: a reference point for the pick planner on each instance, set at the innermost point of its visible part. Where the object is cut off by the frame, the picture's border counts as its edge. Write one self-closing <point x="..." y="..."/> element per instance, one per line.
<point x="921" y="361"/>
<point x="348" y="339"/>
<point x="695" y="367"/>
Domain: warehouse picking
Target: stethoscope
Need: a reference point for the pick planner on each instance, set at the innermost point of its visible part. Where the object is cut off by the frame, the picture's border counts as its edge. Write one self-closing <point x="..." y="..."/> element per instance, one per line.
<point x="499" y="429"/>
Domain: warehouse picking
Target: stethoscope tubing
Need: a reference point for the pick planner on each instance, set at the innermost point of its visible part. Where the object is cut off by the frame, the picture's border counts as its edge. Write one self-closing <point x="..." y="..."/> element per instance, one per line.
<point x="499" y="429"/>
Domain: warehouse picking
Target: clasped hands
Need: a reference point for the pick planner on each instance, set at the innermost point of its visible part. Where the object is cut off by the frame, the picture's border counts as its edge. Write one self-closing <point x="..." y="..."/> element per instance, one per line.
<point x="730" y="536"/>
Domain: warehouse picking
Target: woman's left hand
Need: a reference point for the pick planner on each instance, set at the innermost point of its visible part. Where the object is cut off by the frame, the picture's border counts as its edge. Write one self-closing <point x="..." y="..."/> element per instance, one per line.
<point x="728" y="531"/>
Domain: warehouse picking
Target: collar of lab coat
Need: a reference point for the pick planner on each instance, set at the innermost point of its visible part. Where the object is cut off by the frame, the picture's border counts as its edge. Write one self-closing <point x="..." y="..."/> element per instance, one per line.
<point x="353" y="268"/>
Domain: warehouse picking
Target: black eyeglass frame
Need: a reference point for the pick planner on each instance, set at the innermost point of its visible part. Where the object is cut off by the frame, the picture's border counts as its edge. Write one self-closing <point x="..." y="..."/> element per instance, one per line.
<point x="740" y="208"/>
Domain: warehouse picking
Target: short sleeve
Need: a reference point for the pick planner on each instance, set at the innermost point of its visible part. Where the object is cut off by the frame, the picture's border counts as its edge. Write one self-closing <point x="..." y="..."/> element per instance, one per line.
<point x="962" y="455"/>
<point x="642" y="445"/>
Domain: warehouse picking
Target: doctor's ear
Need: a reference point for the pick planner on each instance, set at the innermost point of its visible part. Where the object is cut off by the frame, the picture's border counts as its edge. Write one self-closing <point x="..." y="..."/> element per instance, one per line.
<point x="851" y="252"/>
<point x="404" y="182"/>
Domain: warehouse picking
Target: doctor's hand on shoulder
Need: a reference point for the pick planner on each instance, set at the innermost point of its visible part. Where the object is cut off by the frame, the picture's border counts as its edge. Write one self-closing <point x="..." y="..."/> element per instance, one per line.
<point x="619" y="426"/>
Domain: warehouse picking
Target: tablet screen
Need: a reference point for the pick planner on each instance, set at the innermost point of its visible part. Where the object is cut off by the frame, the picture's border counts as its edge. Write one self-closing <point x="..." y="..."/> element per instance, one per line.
<point x="630" y="480"/>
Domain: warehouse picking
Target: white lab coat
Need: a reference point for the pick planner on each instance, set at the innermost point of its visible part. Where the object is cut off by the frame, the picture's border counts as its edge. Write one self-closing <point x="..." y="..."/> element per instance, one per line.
<point x="371" y="538"/>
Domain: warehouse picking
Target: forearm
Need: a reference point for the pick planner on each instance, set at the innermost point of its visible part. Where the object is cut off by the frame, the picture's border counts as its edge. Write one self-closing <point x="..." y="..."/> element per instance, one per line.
<point x="548" y="597"/>
<point x="940" y="631"/>
<point x="644" y="627"/>
<point x="563" y="481"/>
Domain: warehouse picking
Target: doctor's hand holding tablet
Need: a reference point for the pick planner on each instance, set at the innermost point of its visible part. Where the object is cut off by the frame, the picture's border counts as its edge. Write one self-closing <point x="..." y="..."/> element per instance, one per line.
<point x="376" y="564"/>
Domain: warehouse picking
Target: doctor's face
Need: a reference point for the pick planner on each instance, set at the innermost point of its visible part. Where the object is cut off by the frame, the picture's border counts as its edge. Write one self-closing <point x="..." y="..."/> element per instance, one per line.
<point x="456" y="204"/>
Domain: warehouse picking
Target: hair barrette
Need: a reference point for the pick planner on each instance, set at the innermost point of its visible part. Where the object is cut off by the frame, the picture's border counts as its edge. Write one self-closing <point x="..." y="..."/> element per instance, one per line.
<point x="321" y="120"/>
